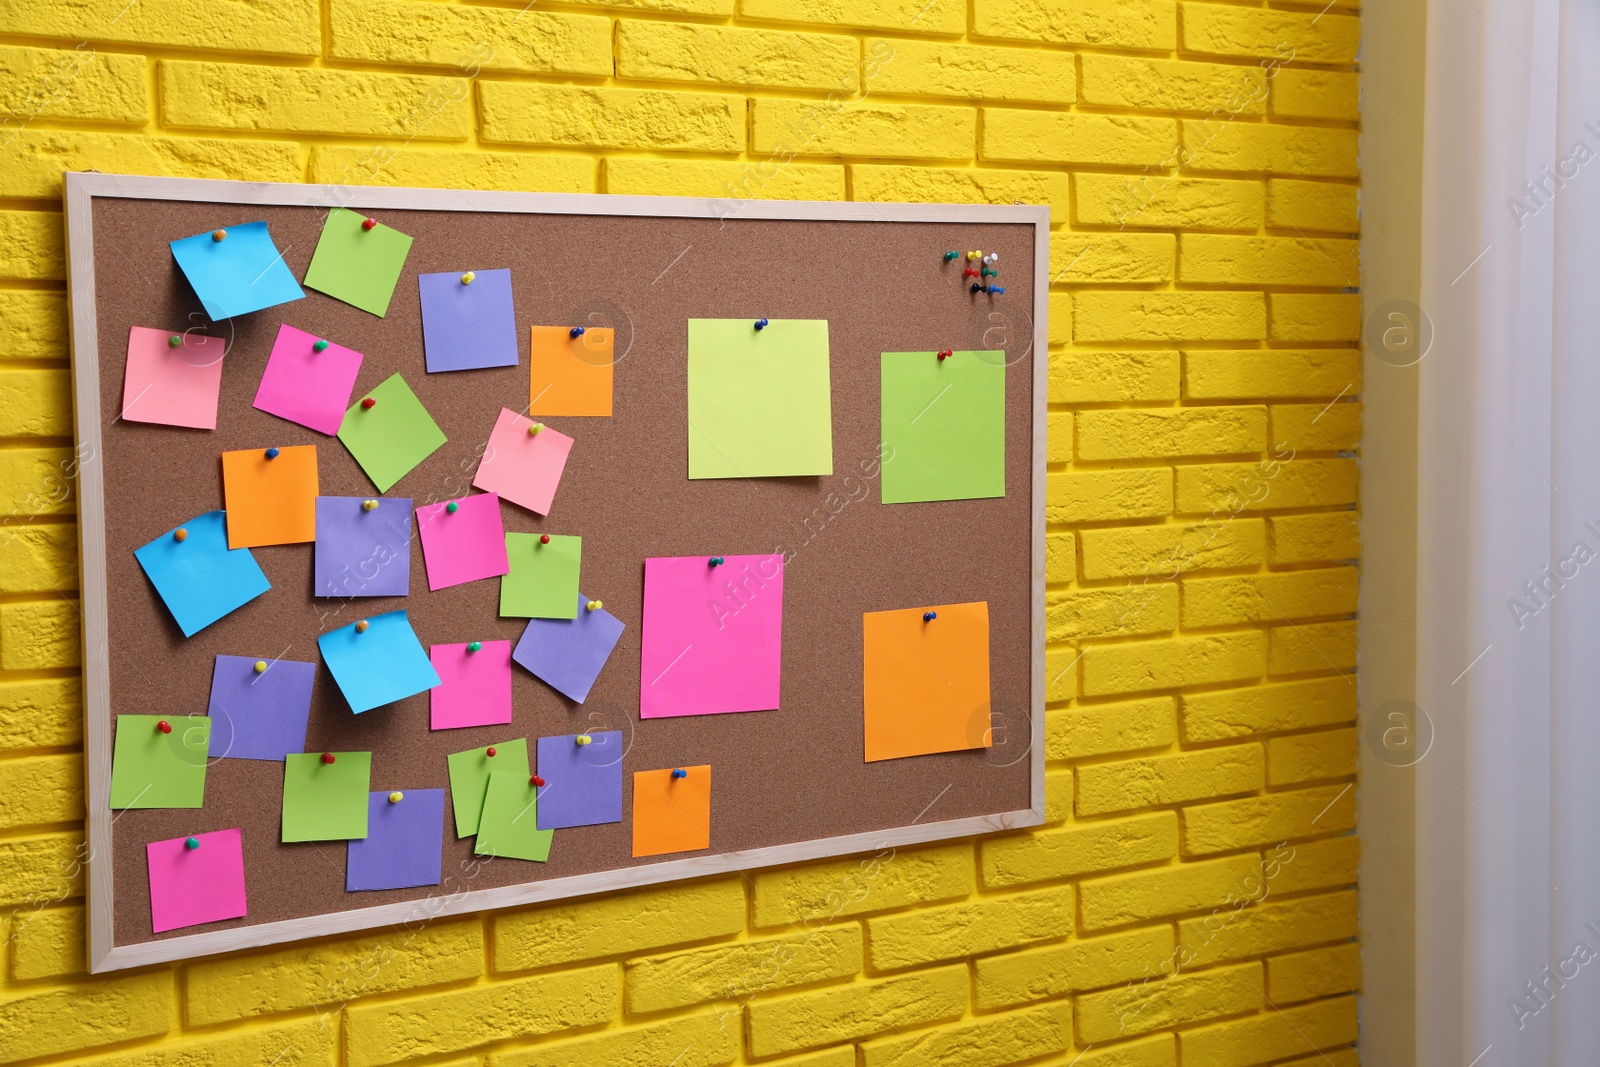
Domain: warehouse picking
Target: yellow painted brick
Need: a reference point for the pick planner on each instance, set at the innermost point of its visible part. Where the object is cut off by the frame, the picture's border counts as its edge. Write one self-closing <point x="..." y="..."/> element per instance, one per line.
<point x="740" y="970"/>
<point x="39" y="635"/>
<point x="40" y="790"/>
<point x="282" y="27"/>
<point x="1305" y="205"/>
<point x="1104" y="788"/>
<point x="404" y="1030"/>
<point x="1167" y="551"/>
<point x="1107" y="495"/>
<point x="1059" y="327"/>
<point x="1322" y="372"/>
<point x="724" y="181"/>
<point x="1060" y="673"/>
<point x="861" y="127"/>
<point x="1315" y="316"/>
<point x="1312" y="646"/>
<point x="1176" y="203"/>
<point x="32" y="245"/>
<point x="685" y="7"/>
<point x="234" y="96"/>
<point x="1082" y="963"/>
<point x="861" y="1009"/>
<point x="1172" y="1001"/>
<point x="1057" y="795"/>
<point x="623" y="922"/>
<point x="1069" y="138"/>
<point x="1228" y="488"/>
<point x="1317" y="427"/>
<point x="42" y="870"/>
<point x="1165" y="891"/>
<point x="71" y="83"/>
<point x="1085" y="376"/>
<point x="973" y="72"/>
<point x="1111" y="612"/>
<point x="38" y="557"/>
<point x="1106" y="317"/>
<point x="1318" y="973"/>
<point x="891" y="878"/>
<point x="1267" y="926"/>
<point x="1104" y="729"/>
<point x="833" y="1057"/>
<point x="1267" y="709"/>
<point x="1082" y="848"/>
<point x="969" y="185"/>
<point x="1269" y="597"/>
<point x="1232" y="259"/>
<point x="1111" y="258"/>
<point x="469" y="39"/>
<point x="1325" y="864"/>
<point x="723" y="55"/>
<point x="1159" y="1050"/>
<point x="43" y="713"/>
<point x="1172" y="662"/>
<point x="947" y="17"/>
<point x="1312" y="538"/>
<point x="615" y="118"/>
<point x="438" y="169"/>
<point x="988" y="1042"/>
<point x="35" y="481"/>
<point x="1142" y="24"/>
<point x="1060" y="558"/>
<point x="44" y="1022"/>
<point x="1155" y="433"/>
<point x="31" y="165"/>
<point x="1283" y="36"/>
<point x="929" y="935"/>
<point x="48" y="943"/>
<point x="1303" y="151"/>
<point x="36" y="403"/>
<point x="1173" y="85"/>
<point x="1316" y="94"/>
<point x="33" y="325"/>
<point x="1058" y="435"/>
<point x="710" y="1039"/>
<point x="1270" y="1036"/>
<point x="301" y="1043"/>
<point x="1340" y="1057"/>
<point x="1254" y="821"/>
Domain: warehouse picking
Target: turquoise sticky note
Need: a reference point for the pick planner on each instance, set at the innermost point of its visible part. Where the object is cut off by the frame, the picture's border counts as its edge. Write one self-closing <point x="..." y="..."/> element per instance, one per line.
<point x="241" y="273"/>
<point x="198" y="577"/>
<point x="944" y="426"/>
<point x="160" y="768"/>
<point x="377" y="661"/>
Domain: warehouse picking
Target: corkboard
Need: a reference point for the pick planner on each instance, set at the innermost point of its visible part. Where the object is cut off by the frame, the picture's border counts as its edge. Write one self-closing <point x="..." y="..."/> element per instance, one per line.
<point x="782" y="777"/>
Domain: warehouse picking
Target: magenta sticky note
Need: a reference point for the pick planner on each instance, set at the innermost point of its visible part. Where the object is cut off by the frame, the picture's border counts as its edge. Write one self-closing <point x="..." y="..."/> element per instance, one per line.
<point x="462" y="540"/>
<point x="474" y="686"/>
<point x="305" y="385"/>
<point x="523" y="467"/>
<point x="712" y="635"/>
<point x="174" y="385"/>
<point x="202" y="884"/>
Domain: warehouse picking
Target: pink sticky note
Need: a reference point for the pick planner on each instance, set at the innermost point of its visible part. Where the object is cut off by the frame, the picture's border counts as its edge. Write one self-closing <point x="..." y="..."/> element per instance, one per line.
<point x="190" y="886"/>
<point x="465" y="544"/>
<point x="306" y="386"/>
<point x="713" y="635"/>
<point x="523" y="467"/>
<point x="175" y="385"/>
<point x="474" y="687"/>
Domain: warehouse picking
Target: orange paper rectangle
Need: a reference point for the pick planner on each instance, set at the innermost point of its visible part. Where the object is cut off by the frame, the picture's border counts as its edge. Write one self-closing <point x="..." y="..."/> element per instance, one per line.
<point x="671" y="814"/>
<point x="570" y="375"/>
<point x="270" y="500"/>
<point x="925" y="681"/>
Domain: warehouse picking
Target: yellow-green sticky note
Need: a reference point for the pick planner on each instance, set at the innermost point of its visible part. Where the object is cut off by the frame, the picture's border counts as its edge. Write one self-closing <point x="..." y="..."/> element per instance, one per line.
<point x="543" y="580"/>
<point x="758" y="399"/>
<point x="325" y="801"/>
<point x="155" y="768"/>
<point x="510" y="823"/>
<point x="469" y="778"/>
<point x="944" y="426"/>
<point x="358" y="265"/>
<point x="391" y="435"/>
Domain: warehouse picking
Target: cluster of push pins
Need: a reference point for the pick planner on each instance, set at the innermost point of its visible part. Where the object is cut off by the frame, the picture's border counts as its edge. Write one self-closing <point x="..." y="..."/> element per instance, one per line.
<point x="985" y="269"/>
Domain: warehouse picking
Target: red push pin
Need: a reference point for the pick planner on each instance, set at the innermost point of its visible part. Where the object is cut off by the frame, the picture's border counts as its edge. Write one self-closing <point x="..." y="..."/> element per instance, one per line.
<point x="164" y="726"/>
<point x="368" y="224"/>
<point x="489" y="751"/>
<point x="327" y="757"/>
<point x="944" y="355"/>
<point x="969" y="273"/>
<point x="544" y="539"/>
<point x="536" y="781"/>
<point x="368" y="404"/>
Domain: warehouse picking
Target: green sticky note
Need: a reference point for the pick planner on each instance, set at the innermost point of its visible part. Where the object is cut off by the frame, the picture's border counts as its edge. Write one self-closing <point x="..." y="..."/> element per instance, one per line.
<point x="152" y="769"/>
<point x="510" y="825"/>
<point x="758" y="399"/>
<point x="469" y="778"/>
<point x="325" y="801"/>
<point x="944" y="426"/>
<point x="543" y="580"/>
<point x="393" y="435"/>
<point x="357" y="265"/>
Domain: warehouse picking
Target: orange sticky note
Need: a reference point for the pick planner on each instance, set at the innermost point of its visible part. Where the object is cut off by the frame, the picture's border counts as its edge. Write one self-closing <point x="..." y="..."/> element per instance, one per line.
<point x="671" y="814"/>
<point x="926" y="681"/>
<point x="270" y="500"/>
<point x="570" y="375"/>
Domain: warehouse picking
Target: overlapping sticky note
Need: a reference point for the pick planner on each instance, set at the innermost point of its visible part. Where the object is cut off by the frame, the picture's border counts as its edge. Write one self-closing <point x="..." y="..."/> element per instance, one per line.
<point x="469" y="778"/>
<point x="378" y="665"/>
<point x="474" y="686"/>
<point x="305" y="385"/>
<point x="355" y="264"/>
<point x="567" y="654"/>
<point x="925" y="682"/>
<point x="241" y="273"/>
<point x="203" y="884"/>
<point x="712" y="635"/>
<point x="259" y="714"/>
<point x="404" y="846"/>
<point x="582" y="783"/>
<point x="671" y="814"/>
<point x="570" y="375"/>
<point x="944" y="426"/>
<point x="543" y="578"/>
<point x="522" y="467"/>
<point x="362" y="551"/>
<point x="468" y="325"/>
<point x="325" y="801"/>
<point x="271" y="495"/>
<point x="392" y="436"/>
<point x="510" y="825"/>
<point x="199" y="578"/>
<point x="463" y="540"/>
<point x="759" y="399"/>
<point x="172" y="385"/>
<point x="155" y="768"/>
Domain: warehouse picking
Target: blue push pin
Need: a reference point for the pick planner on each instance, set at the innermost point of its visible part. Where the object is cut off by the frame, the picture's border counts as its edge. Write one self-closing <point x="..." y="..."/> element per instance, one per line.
<point x="761" y="324"/>
<point x="996" y="290"/>
<point x="680" y="773"/>
<point x="577" y="331"/>
<point x="272" y="453"/>
<point x="929" y="616"/>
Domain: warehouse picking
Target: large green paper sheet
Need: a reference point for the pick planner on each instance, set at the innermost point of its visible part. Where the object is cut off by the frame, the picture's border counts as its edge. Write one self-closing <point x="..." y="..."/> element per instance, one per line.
<point x="944" y="426"/>
<point x="390" y="438"/>
<point x="469" y="778"/>
<point x="151" y="769"/>
<point x="758" y="399"/>
<point x="543" y="580"/>
<point x="325" y="801"/>
<point x="510" y="823"/>
<point x="360" y="267"/>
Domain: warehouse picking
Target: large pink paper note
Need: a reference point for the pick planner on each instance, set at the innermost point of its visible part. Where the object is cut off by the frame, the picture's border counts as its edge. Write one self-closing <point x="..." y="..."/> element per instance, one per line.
<point x="474" y="685"/>
<point x="174" y="385"/>
<point x="523" y="467"/>
<point x="305" y="385"/>
<point x="203" y="884"/>
<point x="462" y="540"/>
<point x="713" y="635"/>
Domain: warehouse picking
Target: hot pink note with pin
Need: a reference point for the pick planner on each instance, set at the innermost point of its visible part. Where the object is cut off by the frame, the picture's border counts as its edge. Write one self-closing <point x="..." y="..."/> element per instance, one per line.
<point x="190" y="886"/>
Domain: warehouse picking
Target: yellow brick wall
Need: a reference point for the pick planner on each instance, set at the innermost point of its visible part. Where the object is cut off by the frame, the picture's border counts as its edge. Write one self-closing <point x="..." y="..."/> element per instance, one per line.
<point x="1192" y="899"/>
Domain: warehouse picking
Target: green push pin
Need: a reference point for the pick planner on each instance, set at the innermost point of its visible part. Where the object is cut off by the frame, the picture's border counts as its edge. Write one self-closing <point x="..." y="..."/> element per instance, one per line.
<point x="948" y="256"/>
<point x="320" y="346"/>
<point x="452" y="507"/>
<point x="476" y="646"/>
<point x="174" y="341"/>
<point x="191" y="843"/>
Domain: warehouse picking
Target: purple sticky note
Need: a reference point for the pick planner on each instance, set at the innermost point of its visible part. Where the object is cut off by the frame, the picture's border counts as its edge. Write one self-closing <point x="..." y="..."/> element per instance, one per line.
<point x="468" y="324"/>
<point x="474" y="686"/>
<point x="404" y="846"/>
<point x="582" y="783"/>
<point x="203" y="884"/>
<point x="259" y="714"/>
<point x="463" y="544"/>
<point x="567" y="654"/>
<point x="361" y="550"/>
<point x="305" y="385"/>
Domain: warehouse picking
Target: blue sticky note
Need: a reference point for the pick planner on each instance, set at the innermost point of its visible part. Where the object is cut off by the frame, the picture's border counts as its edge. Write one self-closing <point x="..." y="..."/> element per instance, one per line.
<point x="404" y="846"/>
<point x="582" y="783"/>
<point x="241" y="273"/>
<point x="378" y="665"/>
<point x="199" y="577"/>
<point x="468" y="325"/>
<point x="259" y="714"/>
<point x="567" y="654"/>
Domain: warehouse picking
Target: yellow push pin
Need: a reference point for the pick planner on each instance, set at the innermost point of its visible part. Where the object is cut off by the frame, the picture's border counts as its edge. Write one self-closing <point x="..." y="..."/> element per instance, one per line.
<point x="361" y="627"/>
<point x="595" y="605"/>
<point x="584" y="739"/>
<point x="535" y="427"/>
<point x="261" y="666"/>
<point x="369" y="505"/>
<point x="466" y="279"/>
<point x="975" y="255"/>
<point x="396" y="797"/>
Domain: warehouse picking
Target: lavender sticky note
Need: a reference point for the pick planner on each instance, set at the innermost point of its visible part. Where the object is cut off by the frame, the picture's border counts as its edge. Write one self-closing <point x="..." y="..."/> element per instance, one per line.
<point x="567" y="654"/>
<point x="363" y="550"/>
<point x="474" y="687"/>
<point x="463" y="540"/>
<point x="259" y="714"/>
<point x="404" y="846"/>
<point x="307" y="384"/>
<point x="582" y="783"/>
<point x="468" y="324"/>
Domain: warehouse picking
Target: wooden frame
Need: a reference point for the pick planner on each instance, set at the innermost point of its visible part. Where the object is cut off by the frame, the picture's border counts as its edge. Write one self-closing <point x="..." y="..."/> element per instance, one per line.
<point x="80" y="191"/>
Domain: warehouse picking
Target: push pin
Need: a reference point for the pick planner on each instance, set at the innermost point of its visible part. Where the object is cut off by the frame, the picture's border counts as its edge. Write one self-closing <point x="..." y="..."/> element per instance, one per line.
<point x="164" y="726"/>
<point x="717" y="561"/>
<point x="361" y="627"/>
<point x="452" y="507"/>
<point x="992" y="257"/>
<point x="397" y="796"/>
<point x="475" y="646"/>
<point x="368" y="404"/>
<point x="969" y="273"/>
<point x="948" y="256"/>
<point x="272" y="453"/>
<point x="996" y="290"/>
<point x="929" y="616"/>
<point x="466" y="279"/>
<point x="174" y="341"/>
<point x="945" y="355"/>
<point x="761" y="324"/>
<point x="367" y="224"/>
<point x="489" y="752"/>
<point x="217" y="235"/>
<point x="369" y="505"/>
<point x="320" y="346"/>
<point x="261" y="666"/>
<point x="974" y="255"/>
<point x="987" y="273"/>
<point x="976" y="288"/>
<point x="327" y="757"/>
<point x="544" y="539"/>
<point x="594" y="605"/>
<point x="577" y="331"/>
<point x="534" y="428"/>
<point x="536" y="781"/>
<point x="191" y="843"/>
<point x="679" y="772"/>
<point x="584" y="739"/>
<point x="180" y="534"/>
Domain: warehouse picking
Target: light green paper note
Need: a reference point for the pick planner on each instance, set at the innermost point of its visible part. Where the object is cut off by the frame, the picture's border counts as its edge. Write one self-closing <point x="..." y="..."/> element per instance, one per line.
<point x="325" y="801"/>
<point x="543" y="580"/>
<point x="358" y="266"/>
<point x="510" y="824"/>
<point x="759" y="404"/>
<point x="944" y="426"/>
<point x="469" y="778"/>
<point x="152" y="769"/>
<point x="391" y="437"/>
